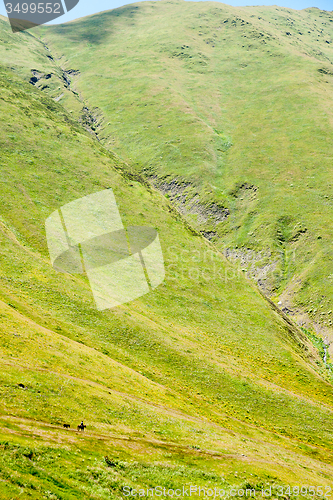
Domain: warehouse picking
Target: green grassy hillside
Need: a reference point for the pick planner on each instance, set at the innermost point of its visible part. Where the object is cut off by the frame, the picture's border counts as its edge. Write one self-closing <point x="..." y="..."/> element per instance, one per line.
<point x="228" y="112"/>
<point x="201" y="382"/>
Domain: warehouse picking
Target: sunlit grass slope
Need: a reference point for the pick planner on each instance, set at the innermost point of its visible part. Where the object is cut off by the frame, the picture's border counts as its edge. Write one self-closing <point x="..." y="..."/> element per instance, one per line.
<point x="199" y="382"/>
<point x="235" y="101"/>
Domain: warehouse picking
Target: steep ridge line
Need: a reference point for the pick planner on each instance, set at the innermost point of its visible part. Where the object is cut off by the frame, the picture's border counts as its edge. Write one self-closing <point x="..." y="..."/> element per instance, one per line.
<point x="254" y="27"/>
<point x="295" y="330"/>
<point x="298" y="335"/>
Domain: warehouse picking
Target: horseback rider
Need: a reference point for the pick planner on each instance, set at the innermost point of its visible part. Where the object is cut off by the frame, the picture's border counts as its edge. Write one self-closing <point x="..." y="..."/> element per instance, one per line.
<point x="81" y="427"/>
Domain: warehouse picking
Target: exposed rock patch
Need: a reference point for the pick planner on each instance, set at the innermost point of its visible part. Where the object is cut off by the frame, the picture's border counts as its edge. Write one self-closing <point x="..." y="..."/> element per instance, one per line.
<point x="182" y="194"/>
<point x="57" y="99"/>
<point x="258" y="266"/>
<point x="73" y="72"/>
<point x="209" y="235"/>
<point x="245" y="189"/>
<point x="91" y="120"/>
<point x="67" y="74"/>
<point x="38" y="75"/>
<point x="301" y="317"/>
<point x="325" y="71"/>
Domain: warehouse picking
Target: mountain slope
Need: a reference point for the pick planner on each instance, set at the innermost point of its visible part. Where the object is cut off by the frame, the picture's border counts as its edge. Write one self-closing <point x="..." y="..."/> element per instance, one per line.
<point x="228" y="111"/>
<point x="201" y="382"/>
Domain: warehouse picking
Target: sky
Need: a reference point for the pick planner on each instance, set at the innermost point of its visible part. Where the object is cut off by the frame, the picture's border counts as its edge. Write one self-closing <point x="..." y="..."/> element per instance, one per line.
<point x="87" y="7"/>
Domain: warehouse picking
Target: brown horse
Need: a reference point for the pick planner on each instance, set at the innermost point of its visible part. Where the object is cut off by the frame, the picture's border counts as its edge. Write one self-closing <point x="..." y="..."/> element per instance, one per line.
<point x="81" y="427"/>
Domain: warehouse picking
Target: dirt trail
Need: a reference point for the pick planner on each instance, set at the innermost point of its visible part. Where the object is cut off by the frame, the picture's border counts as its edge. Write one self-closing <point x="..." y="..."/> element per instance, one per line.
<point x="72" y="436"/>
